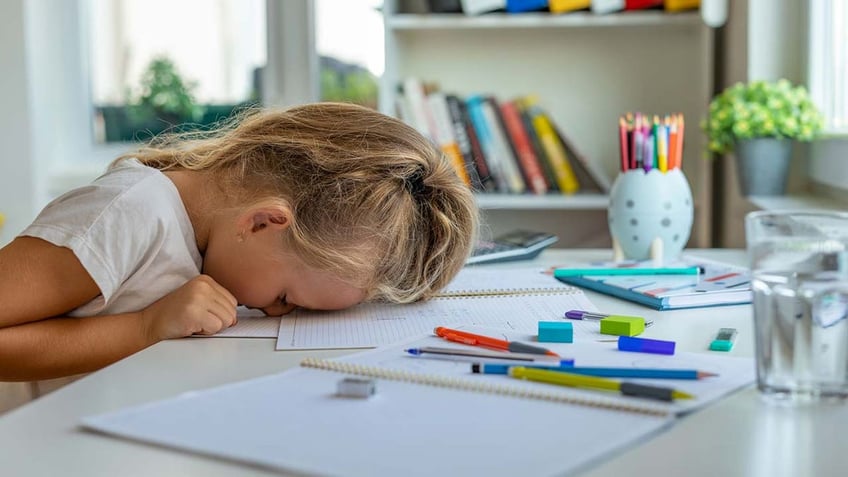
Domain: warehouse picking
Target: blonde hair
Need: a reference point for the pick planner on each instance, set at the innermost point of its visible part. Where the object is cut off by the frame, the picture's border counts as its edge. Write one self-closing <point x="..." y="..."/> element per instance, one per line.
<point x="373" y="201"/>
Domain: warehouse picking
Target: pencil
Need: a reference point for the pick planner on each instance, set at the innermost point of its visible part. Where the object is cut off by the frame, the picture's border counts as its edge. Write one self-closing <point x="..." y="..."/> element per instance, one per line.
<point x="563" y="378"/>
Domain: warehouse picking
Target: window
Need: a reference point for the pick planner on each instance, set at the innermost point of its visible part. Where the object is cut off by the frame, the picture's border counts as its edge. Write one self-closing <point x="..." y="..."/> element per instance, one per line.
<point x="89" y="56"/>
<point x="150" y="69"/>
<point x="349" y="42"/>
<point x="828" y="68"/>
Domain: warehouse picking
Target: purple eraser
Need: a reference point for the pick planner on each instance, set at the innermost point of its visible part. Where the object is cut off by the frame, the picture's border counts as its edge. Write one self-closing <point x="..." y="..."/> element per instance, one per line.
<point x="645" y="345"/>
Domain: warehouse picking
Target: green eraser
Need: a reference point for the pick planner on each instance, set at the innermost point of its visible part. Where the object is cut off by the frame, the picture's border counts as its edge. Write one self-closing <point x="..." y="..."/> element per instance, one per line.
<point x="621" y="325"/>
<point x="721" y="345"/>
<point x="723" y="340"/>
<point x="556" y="332"/>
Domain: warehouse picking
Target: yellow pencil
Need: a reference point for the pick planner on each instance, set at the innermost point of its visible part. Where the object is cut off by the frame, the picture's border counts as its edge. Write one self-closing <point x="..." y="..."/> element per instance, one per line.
<point x="593" y="382"/>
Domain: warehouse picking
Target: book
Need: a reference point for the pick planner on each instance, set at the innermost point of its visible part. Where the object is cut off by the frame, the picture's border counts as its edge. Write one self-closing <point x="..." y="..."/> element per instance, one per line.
<point x="681" y="5"/>
<point x="494" y="163"/>
<point x="563" y="6"/>
<point x="444" y="133"/>
<point x="589" y="175"/>
<point x="607" y="6"/>
<point x="502" y="145"/>
<point x="297" y="421"/>
<point x="464" y="141"/>
<point x="547" y="169"/>
<point x="528" y="162"/>
<point x="717" y="284"/>
<point x="476" y="296"/>
<point x="416" y="108"/>
<point x="444" y="6"/>
<point x="642" y="4"/>
<point x="554" y="150"/>
<point x="519" y="6"/>
<point x="476" y="7"/>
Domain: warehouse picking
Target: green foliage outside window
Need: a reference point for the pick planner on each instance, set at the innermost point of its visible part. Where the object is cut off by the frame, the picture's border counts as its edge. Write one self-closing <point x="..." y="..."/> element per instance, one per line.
<point x="355" y="87"/>
<point x="164" y="94"/>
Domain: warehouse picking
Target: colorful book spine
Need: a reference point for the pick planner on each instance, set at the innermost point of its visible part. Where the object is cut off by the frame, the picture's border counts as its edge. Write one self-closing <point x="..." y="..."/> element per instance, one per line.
<point x="566" y="180"/>
<point x="524" y="150"/>
<point x="476" y="7"/>
<point x="564" y="6"/>
<point x="460" y="132"/>
<point x="642" y="4"/>
<point x="550" y="176"/>
<point x="444" y="135"/>
<point x="502" y="146"/>
<point x="681" y="5"/>
<point x="474" y="104"/>
<point x="601" y="7"/>
<point x="519" y="6"/>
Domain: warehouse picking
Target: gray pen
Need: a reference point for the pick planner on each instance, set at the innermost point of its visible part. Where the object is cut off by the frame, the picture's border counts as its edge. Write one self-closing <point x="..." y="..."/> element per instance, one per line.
<point x="592" y="316"/>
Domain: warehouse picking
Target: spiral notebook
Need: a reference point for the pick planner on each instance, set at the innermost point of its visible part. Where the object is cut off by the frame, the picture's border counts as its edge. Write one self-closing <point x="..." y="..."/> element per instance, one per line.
<point x="515" y="300"/>
<point x="427" y="417"/>
<point x="718" y="284"/>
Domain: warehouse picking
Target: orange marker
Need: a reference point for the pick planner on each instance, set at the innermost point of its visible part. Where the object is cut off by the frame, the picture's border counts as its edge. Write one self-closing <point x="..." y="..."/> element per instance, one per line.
<point x="488" y="342"/>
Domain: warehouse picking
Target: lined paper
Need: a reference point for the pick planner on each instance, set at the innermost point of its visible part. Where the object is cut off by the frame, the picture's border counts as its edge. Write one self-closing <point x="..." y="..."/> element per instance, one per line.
<point x="375" y="324"/>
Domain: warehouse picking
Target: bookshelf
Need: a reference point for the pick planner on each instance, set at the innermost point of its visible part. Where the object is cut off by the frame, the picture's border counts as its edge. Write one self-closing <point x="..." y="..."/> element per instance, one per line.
<point x="587" y="69"/>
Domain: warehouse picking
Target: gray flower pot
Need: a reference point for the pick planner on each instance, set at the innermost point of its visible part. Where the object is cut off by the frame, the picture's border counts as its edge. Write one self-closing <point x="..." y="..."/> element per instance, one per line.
<point x="762" y="165"/>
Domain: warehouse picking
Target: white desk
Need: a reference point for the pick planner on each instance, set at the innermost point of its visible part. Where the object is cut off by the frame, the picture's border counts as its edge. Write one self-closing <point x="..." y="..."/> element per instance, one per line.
<point x="738" y="436"/>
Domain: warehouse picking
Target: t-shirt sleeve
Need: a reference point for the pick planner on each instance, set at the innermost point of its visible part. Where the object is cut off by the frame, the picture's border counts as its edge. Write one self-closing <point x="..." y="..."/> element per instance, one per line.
<point x="107" y="228"/>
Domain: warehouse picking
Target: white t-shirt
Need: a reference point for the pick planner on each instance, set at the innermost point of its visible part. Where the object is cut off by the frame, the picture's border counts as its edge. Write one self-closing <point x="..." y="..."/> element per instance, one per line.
<point x="130" y="231"/>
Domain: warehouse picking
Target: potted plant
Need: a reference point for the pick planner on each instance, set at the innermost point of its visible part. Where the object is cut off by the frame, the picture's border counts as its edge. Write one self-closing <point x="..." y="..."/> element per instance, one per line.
<point x="759" y="121"/>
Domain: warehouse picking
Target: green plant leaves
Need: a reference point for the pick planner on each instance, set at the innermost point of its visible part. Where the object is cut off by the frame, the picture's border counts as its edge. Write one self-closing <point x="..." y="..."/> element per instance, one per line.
<point x="761" y="109"/>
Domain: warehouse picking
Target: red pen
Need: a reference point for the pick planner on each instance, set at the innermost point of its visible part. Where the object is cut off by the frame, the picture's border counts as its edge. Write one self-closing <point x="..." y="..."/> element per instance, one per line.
<point x="488" y="342"/>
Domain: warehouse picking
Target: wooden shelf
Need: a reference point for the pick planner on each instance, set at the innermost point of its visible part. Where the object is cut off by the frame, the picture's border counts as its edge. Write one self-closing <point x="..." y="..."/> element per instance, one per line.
<point x="543" y="202"/>
<point x="458" y="21"/>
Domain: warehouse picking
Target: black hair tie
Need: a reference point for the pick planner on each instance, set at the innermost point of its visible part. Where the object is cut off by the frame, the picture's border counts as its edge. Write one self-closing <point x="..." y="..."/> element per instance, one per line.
<point x="415" y="183"/>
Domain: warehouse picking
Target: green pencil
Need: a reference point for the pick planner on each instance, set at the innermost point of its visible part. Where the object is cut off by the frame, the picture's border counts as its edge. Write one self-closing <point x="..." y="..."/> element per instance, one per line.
<point x="576" y="272"/>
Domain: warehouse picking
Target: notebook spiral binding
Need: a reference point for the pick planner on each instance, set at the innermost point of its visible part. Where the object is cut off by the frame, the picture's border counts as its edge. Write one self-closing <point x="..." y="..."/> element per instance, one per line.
<point x="509" y="291"/>
<point x="475" y="386"/>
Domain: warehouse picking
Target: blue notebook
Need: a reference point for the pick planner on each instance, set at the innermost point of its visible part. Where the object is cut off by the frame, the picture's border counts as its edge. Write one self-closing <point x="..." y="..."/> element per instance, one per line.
<point x="717" y="284"/>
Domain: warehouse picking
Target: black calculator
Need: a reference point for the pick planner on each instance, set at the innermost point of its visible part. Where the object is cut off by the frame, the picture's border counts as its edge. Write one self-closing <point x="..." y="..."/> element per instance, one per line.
<point x="514" y="245"/>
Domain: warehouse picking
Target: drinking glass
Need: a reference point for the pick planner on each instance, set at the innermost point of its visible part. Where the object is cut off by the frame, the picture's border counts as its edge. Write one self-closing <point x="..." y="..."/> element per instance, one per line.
<point x="799" y="267"/>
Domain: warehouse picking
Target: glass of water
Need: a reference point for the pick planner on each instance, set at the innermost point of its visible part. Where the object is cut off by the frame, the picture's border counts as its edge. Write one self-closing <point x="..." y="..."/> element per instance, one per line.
<point x="799" y="267"/>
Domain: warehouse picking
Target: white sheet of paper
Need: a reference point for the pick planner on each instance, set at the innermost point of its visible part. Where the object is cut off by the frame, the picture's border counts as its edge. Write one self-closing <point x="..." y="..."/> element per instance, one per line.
<point x="375" y="324"/>
<point x="295" y="422"/>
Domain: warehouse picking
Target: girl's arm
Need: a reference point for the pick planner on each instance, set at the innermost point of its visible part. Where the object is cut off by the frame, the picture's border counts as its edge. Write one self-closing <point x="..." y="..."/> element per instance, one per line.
<point x="40" y="283"/>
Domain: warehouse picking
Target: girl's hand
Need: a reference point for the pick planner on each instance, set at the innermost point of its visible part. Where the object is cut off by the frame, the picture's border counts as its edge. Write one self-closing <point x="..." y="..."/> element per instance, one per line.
<point x="201" y="306"/>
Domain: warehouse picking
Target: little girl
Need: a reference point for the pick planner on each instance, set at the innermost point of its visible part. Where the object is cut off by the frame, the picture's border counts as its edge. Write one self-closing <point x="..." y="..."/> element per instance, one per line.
<point x="320" y="206"/>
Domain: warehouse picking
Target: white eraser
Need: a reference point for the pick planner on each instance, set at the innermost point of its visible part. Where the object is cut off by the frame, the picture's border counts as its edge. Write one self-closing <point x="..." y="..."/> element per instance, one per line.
<point x="356" y="387"/>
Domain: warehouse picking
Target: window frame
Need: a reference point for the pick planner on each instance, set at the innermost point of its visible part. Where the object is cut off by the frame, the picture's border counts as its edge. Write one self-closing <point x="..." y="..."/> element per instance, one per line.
<point x="820" y="71"/>
<point x="290" y="77"/>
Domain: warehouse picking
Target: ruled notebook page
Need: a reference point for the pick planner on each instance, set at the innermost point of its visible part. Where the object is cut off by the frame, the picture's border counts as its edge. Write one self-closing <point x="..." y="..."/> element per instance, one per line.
<point x="375" y="324"/>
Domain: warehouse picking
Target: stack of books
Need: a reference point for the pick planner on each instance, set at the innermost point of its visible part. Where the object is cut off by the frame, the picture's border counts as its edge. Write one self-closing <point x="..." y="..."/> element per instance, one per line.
<point x="510" y="146"/>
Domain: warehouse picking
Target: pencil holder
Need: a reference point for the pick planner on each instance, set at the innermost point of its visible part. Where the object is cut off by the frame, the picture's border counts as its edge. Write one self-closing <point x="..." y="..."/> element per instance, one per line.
<point x="650" y="214"/>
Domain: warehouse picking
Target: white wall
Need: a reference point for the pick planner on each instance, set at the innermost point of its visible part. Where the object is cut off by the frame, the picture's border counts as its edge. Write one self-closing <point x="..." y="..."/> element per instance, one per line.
<point x="19" y="171"/>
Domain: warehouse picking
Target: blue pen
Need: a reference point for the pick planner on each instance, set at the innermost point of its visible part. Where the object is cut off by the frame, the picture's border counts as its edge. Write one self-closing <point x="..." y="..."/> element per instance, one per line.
<point x="645" y="373"/>
<point x="500" y="368"/>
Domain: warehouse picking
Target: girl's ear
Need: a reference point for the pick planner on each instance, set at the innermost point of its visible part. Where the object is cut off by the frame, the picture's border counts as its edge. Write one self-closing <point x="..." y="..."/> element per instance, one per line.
<point x="264" y="216"/>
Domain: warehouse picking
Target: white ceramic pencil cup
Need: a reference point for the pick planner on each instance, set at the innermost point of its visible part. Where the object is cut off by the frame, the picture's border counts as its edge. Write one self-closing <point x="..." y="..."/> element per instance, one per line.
<point x="650" y="214"/>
